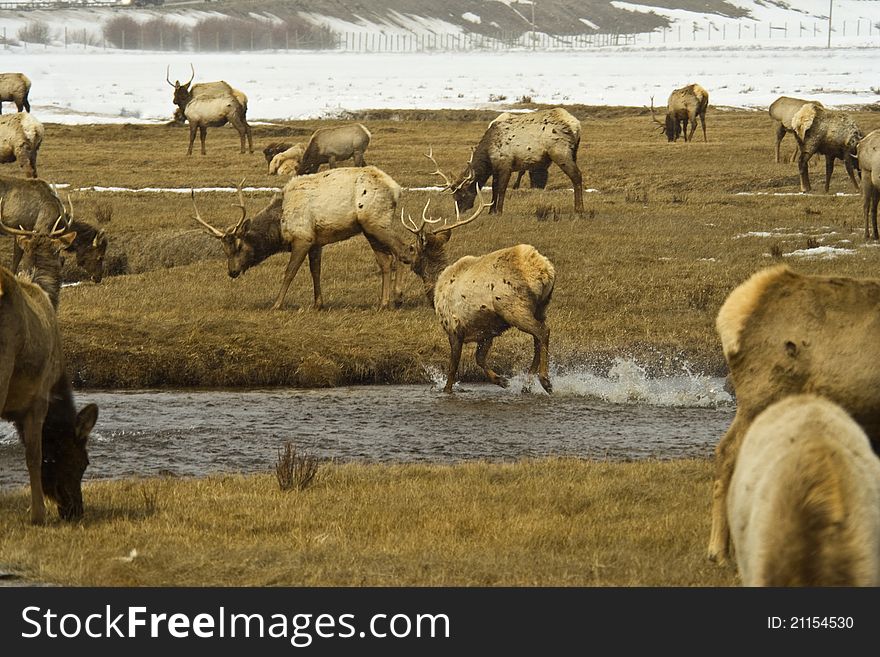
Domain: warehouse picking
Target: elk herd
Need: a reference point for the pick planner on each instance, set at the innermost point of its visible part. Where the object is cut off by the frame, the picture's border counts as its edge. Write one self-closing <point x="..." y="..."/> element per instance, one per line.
<point x="797" y="484"/>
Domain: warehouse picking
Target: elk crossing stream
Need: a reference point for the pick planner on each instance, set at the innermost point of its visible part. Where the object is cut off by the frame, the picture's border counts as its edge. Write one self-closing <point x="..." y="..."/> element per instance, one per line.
<point x="622" y="416"/>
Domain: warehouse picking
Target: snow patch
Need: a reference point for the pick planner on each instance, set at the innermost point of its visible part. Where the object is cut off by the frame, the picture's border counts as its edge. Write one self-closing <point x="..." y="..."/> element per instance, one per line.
<point x="471" y="18"/>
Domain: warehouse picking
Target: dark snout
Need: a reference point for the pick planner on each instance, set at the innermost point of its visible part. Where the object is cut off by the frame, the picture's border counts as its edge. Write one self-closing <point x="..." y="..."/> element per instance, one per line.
<point x="72" y="511"/>
<point x="234" y="273"/>
<point x="70" y="502"/>
<point x="96" y="278"/>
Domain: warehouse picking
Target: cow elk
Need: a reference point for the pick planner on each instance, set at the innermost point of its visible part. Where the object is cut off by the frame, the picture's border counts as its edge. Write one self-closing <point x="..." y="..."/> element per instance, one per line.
<point x="537" y="175"/>
<point x="333" y="145"/>
<point x="211" y="104"/>
<point x="804" y="501"/>
<point x="781" y="111"/>
<point x="785" y="333"/>
<point x="478" y="298"/>
<point x="684" y="106"/>
<point x="20" y="138"/>
<point x="273" y="149"/>
<point x="831" y="133"/>
<point x="35" y="391"/>
<point x="15" y="87"/>
<point x="287" y="162"/>
<point x="868" y="153"/>
<point x="312" y="212"/>
<point x="34" y="204"/>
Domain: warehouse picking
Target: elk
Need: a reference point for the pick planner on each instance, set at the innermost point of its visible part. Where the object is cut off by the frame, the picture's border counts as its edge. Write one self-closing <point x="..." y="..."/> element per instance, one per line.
<point x="476" y="299"/>
<point x="538" y="175"/>
<point x="785" y="333"/>
<point x="311" y="212"/>
<point x="333" y="145"/>
<point x="15" y="87"/>
<point x="34" y="204"/>
<point x="832" y="133"/>
<point x="521" y="143"/>
<point x="868" y="152"/>
<point x="211" y="104"/>
<point x="804" y="500"/>
<point x="287" y="162"/>
<point x="20" y="138"/>
<point x="781" y="111"/>
<point x="684" y="105"/>
<point x="272" y="149"/>
<point x="35" y="391"/>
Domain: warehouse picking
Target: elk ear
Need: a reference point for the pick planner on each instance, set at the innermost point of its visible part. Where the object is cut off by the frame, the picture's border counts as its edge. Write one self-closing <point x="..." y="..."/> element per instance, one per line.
<point x="245" y="226"/>
<point x="442" y="236"/>
<point x="85" y="422"/>
<point x="67" y="239"/>
<point x="23" y="241"/>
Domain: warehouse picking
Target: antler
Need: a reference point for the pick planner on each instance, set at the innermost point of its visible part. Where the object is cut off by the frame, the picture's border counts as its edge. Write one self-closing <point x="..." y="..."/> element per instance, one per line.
<point x="9" y="230"/>
<point x="461" y="222"/>
<point x="167" y="73"/>
<point x="656" y="120"/>
<point x="241" y="206"/>
<point x="168" y="80"/>
<point x="430" y="156"/>
<point x="411" y="226"/>
<point x="211" y="230"/>
<point x="191" y="77"/>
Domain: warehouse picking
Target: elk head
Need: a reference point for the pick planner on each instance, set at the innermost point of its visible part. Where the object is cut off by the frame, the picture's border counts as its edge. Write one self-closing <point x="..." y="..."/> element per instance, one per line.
<point x="89" y="253"/>
<point x="65" y="457"/>
<point x="182" y="92"/>
<point x="40" y="248"/>
<point x="464" y="189"/>
<point x="239" y="251"/>
<point x="670" y="128"/>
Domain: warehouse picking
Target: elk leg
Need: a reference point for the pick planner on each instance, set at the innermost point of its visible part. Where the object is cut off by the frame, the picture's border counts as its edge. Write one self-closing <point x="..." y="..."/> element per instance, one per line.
<point x="780" y="135"/>
<point x="32" y="433"/>
<point x="27" y="106"/>
<point x="483" y="348"/>
<point x="538" y="178"/>
<point x="385" y="261"/>
<point x="725" y="459"/>
<point x="359" y="159"/>
<point x="192" y="138"/>
<point x="871" y="197"/>
<point x="703" y="126"/>
<point x="803" y="163"/>
<point x="850" y="170"/>
<point x="795" y="152"/>
<point x="527" y="323"/>
<point x="829" y="168"/>
<point x="501" y="179"/>
<point x="250" y="138"/>
<point x="519" y="176"/>
<point x="297" y="255"/>
<point x="455" y="344"/>
<point x="203" y="132"/>
<point x="570" y="168"/>
<point x="693" y="128"/>
<point x="331" y="161"/>
<point x="315" y="269"/>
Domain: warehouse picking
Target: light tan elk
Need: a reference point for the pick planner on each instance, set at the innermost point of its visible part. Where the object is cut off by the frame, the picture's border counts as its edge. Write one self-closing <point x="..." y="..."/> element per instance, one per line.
<point x="831" y="133"/>
<point x="781" y="111"/>
<point x="684" y="106"/>
<point x="334" y="145"/>
<point x="538" y="175"/>
<point x="868" y="152"/>
<point x="33" y="204"/>
<point x="287" y="162"/>
<point x="804" y="501"/>
<point x="272" y="149"/>
<point x="521" y="143"/>
<point x="20" y="138"/>
<point x="15" y="87"/>
<point x="315" y="211"/>
<point x="211" y="104"/>
<point x="478" y="298"/>
<point x="35" y="392"/>
<point x="785" y="333"/>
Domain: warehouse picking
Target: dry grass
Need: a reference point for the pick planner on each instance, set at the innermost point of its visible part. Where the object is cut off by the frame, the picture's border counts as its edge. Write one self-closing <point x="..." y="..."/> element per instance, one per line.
<point x="547" y="522"/>
<point x="641" y="274"/>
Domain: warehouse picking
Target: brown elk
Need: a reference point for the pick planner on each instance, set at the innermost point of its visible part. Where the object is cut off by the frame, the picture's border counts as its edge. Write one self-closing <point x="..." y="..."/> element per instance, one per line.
<point x="272" y="149"/>
<point x="287" y="162"/>
<point x="15" y="87"/>
<point x="478" y="298"/>
<point x="211" y="104"/>
<point x="684" y="106"/>
<point x="20" y="138"/>
<point x="785" y="333"/>
<point x="868" y="153"/>
<point x="831" y="133"/>
<point x="334" y="145"/>
<point x="804" y="501"/>
<point x="781" y="111"/>
<point x="521" y="143"/>
<point x="34" y="204"/>
<point x="35" y="392"/>
<point x="537" y="175"/>
<point x="314" y="211"/>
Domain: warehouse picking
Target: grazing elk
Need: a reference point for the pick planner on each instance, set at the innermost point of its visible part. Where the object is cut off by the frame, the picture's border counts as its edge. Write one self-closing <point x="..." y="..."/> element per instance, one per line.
<point x="684" y="105"/>
<point x="34" y="204"/>
<point x="804" y="501"/>
<point x="272" y="149"/>
<point x="20" y="138"/>
<point x="333" y="145"/>
<point x="521" y="143"/>
<point x="785" y="333"/>
<point x="15" y="87"/>
<point x="831" y="133"/>
<point x="868" y="152"/>
<point x="537" y="175"/>
<point x="781" y="111"/>
<point x="287" y="162"/>
<point x="314" y="211"/>
<point x="478" y="298"/>
<point x="35" y="391"/>
<point x="211" y="104"/>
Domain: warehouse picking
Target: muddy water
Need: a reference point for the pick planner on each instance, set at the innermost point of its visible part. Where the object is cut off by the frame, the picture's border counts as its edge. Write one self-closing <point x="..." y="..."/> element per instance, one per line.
<point x="623" y="415"/>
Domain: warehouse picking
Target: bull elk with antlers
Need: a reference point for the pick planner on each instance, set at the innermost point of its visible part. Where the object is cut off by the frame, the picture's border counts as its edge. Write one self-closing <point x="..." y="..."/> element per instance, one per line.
<point x="211" y="104"/>
<point x="477" y="298"/>
<point x="35" y="391"/>
<point x="684" y="106"/>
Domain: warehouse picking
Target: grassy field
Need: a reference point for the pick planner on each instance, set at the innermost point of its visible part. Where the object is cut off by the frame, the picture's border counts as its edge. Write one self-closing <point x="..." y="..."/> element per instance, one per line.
<point x="548" y="522"/>
<point x="640" y="274"/>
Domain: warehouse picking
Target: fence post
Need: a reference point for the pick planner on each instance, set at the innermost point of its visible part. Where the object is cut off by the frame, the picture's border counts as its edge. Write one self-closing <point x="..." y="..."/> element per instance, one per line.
<point x="65" y="37"/>
<point x="161" y="40"/>
<point x="123" y="39"/>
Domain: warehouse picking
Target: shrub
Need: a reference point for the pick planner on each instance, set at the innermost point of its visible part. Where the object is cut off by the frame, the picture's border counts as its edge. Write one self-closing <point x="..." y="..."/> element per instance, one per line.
<point x="35" y="32"/>
<point x="294" y="469"/>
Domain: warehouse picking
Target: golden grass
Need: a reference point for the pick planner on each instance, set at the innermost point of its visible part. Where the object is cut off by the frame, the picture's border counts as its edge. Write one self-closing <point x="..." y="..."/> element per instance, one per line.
<point x="641" y="274"/>
<point x="545" y="522"/>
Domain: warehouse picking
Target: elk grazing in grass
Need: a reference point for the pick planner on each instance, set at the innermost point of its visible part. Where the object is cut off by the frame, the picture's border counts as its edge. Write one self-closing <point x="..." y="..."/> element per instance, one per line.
<point x="804" y="501"/>
<point x="317" y="210"/>
<point x="15" y="87"/>
<point x="35" y="392"/>
<point x="478" y="298"/>
<point x="521" y="143"/>
<point x="325" y="146"/>
<point x="20" y="138"/>
<point x="831" y="133"/>
<point x="272" y="149"/>
<point x="781" y="111"/>
<point x="287" y="162"/>
<point x="537" y="175"/>
<point x="868" y="153"/>
<point x="785" y="333"/>
<point x="684" y="106"/>
<point x="34" y="204"/>
<point x="211" y="104"/>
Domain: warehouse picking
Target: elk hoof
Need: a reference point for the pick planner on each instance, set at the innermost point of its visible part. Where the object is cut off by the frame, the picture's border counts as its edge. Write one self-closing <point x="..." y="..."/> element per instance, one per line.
<point x="501" y="381"/>
<point x="545" y="383"/>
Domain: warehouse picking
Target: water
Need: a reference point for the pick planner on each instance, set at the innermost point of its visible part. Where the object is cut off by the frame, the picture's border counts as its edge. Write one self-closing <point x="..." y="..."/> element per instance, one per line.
<point x="624" y="415"/>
